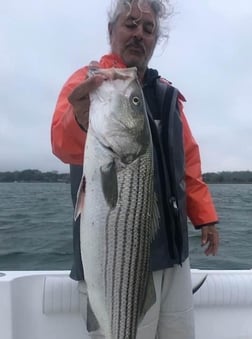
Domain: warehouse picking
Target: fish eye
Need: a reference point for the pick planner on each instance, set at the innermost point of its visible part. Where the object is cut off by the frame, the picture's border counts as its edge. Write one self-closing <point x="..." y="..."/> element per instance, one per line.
<point x="136" y="101"/>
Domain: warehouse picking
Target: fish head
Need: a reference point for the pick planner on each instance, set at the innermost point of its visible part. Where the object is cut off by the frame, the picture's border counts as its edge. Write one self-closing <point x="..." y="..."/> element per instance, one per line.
<point x="121" y="122"/>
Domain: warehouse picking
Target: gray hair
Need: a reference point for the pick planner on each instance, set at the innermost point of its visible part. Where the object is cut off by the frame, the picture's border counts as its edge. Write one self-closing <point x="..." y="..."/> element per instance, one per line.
<point x="161" y="8"/>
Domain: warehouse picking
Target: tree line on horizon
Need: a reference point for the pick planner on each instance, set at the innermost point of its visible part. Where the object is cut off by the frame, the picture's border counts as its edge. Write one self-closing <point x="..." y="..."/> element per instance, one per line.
<point x="34" y="175"/>
<point x="31" y="175"/>
<point x="232" y="177"/>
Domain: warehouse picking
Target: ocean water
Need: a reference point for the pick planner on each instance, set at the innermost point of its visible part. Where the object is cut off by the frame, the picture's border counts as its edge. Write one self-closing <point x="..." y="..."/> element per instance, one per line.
<point x="36" y="227"/>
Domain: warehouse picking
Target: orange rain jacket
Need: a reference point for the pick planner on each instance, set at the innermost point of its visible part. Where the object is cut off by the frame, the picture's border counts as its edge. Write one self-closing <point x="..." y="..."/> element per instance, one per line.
<point x="68" y="141"/>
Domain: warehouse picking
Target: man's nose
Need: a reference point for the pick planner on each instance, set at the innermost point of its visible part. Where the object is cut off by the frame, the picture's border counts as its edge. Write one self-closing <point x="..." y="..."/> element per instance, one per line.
<point x="138" y="32"/>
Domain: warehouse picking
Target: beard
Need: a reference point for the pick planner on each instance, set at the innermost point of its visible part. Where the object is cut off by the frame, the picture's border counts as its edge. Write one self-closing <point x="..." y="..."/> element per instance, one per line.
<point x="135" y="57"/>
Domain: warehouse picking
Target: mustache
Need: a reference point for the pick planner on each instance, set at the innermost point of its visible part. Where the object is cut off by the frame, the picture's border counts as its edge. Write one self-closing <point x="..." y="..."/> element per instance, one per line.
<point x="136" y="44"/>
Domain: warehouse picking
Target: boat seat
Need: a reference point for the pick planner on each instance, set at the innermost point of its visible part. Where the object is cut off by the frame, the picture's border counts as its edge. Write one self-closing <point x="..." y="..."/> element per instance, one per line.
<point x="47" y="305"/>
<point x="225" y="289"/>
<point x="60" y="295"/>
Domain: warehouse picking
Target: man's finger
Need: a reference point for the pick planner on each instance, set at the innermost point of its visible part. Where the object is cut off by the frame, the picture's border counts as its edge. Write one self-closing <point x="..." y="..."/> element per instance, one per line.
<point x="204" y="236"/>
<point x="82" y="91"/>
<point x="93" y="66"/>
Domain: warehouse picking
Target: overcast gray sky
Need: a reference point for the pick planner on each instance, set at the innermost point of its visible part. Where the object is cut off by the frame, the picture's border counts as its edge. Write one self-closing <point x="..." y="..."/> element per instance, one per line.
<point x="208" y="57"/>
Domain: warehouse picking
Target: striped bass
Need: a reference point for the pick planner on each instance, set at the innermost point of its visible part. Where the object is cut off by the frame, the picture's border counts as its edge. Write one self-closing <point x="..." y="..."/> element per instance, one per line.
<point x="116" y="202"/>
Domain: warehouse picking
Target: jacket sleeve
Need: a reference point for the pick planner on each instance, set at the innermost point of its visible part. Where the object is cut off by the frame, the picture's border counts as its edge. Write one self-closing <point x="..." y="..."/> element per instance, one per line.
<point x="200" y="207"/>
<point x="67" y="138"/>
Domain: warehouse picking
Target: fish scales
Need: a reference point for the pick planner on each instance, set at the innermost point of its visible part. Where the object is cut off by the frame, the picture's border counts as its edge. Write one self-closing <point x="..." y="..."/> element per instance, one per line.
<point x="126" y="267"/>
<point x="117" y="214"/>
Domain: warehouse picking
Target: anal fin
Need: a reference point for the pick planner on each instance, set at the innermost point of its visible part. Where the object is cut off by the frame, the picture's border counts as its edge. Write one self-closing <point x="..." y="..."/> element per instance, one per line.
<point x="92" y="322"/>
<point x="150" y="297"/>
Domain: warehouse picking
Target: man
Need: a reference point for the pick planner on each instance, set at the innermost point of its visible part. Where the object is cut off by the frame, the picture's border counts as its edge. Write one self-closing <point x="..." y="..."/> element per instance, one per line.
<point x="134" y="29"/>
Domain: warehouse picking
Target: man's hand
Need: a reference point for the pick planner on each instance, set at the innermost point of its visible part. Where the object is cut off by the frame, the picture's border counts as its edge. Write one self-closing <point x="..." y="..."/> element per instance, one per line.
<point x="210" y="238"/>
<point x="79" y="98"/>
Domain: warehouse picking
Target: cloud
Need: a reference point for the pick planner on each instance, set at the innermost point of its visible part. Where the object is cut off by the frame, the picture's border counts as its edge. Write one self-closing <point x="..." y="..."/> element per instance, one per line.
<point x="208" y="57"/>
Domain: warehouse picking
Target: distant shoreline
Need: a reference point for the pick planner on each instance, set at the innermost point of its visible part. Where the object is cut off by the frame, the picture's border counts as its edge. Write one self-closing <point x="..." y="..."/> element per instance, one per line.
<point x="36" y="176"/>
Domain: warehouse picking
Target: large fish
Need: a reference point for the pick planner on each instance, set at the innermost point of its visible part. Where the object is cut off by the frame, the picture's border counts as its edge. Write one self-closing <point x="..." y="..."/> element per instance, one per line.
<point x="118" y="212"/>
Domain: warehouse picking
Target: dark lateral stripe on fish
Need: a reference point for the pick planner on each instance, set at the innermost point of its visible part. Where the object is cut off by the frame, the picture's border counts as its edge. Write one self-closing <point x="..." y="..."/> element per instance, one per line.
<point x="110" y="257"/>
<point x="125" y="283"/>
<point x="132" y="253"/>
<point x="140" y="254"/>
<point x="136" y="268"/>
<point x="144" y="243"/>
<point x="116" y="317"/>
<point x="115" y="256"/>
<point x="129" y="276"/>
<point x="130" y="318"/>
<point x="106" y="268"/>
<point x="130" y="315"/>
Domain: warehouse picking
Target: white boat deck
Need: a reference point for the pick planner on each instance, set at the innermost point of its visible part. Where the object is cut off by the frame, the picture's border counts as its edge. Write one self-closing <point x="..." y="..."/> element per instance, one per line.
<point x="45" y="304"/>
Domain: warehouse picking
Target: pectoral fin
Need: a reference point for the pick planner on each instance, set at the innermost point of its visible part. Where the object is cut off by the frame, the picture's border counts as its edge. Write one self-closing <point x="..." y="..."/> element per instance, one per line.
<point x="109" y="184"/>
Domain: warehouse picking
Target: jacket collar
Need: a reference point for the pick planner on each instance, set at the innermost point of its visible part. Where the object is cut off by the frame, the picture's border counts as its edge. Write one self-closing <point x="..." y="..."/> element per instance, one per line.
<point x="113" y="60"/>
<point x="150" y="77"/>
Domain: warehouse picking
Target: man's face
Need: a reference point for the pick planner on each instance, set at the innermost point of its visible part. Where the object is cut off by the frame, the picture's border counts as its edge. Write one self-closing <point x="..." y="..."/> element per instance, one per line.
<point x="133" y="36"/>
